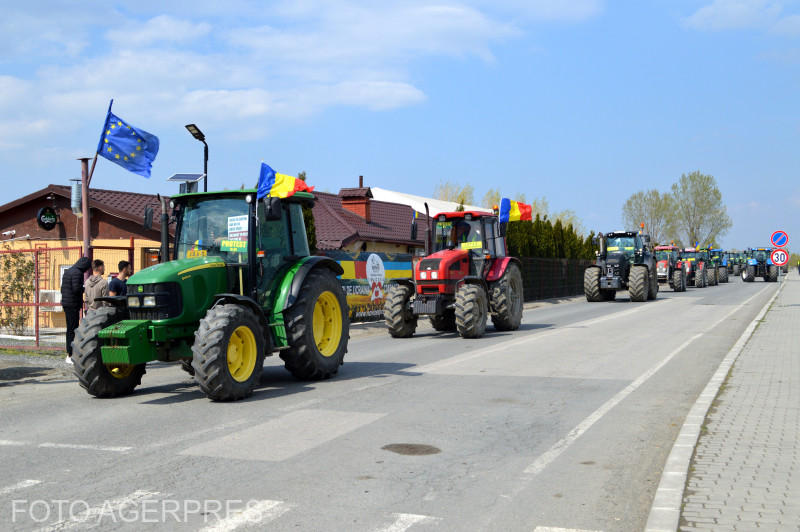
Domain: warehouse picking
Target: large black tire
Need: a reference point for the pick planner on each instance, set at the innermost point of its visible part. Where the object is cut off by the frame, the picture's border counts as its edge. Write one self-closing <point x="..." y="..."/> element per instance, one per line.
<point x="699" y="278"/>
<point x="723" y="275"/>
<point x="772" y="274"/>
<point x="749" y="274"/>
<point x="472" y="309"/>
<point x="678" y="280"/>
<point x="736" y="269"/>
<point x="591" y="284"/>
<point x="711" y="276"/>
<point x="652" y="292"/>
<point x="445" y="322"/>
<point x="506" y="299"/>
<point x="228" y="352"/>
<point x="400" y="320"/>
<point x="317" y="338"/>
<point x="101" y="380"/>
<point x="638" y="283"/>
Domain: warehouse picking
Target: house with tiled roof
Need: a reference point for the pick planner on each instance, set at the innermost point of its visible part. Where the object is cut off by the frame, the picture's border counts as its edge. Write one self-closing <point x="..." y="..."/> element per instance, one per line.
<point x="354" y="221"/>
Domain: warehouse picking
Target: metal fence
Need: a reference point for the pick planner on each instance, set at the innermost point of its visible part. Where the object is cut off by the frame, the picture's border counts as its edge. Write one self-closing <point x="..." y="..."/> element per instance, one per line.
<point x="550" y="278"/>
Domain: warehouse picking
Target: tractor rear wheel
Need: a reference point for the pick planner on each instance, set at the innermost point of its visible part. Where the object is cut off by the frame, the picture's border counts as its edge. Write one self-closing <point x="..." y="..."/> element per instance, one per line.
<point x="445" y="322"/>
<point x="591" y="284"/>
<point x="638" y="281"/>
<point x="749" y="274"/>
<point x="652" y="292"/>
<point x="772" y="274"/>
<point x="507" y="300"/>
<point x="736" y="269"/>
<point x="699" y="278"/>
<point x="711" y="276"/>
<point x="472" y="309"/>
<point x="97" y="378"/>
<point x="318" y="328"/>
<point x="723" y="275"/>
<point x="228" y="352"/>
<point x="400" y="320"/>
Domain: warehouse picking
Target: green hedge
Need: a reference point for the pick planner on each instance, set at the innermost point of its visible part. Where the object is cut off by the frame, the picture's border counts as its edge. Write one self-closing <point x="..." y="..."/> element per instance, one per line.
<point x="542" y="238"/>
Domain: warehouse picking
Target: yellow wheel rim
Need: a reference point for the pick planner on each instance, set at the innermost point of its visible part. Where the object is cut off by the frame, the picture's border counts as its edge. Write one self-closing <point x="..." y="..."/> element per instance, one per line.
<point x="242" y="353"/>
<point x="327" y="323"/>
<point x="120" y="371"/>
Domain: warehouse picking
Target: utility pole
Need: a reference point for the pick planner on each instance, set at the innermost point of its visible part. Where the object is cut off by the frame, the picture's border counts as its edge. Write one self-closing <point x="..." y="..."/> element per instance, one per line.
<point x="85" y="204"/>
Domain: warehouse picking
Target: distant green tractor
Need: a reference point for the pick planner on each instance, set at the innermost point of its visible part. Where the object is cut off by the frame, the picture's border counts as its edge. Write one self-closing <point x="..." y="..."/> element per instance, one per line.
<point x="242" y="285"/>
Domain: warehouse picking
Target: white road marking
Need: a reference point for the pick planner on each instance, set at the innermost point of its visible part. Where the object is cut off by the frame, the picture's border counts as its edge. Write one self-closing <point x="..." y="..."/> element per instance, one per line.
<point x="96" y="514"/>
<point x="19" y="486"/>
<point x="285" y="436"/>
<point x="259" y="513"/>
<point x="403" y="522"/>
<point x="12" y="443"/>
<point x="556" y="529"/>
<point x="564" y="443"/>
<point x="112" y="449"/>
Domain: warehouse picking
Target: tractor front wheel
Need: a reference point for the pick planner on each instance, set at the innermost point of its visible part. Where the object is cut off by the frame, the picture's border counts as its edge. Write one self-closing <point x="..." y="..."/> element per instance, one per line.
<point x="713" y="280"/>
<point x="97" y="378"/>
<point x="652" y="292"/>
<point x="507" y="300"/>
<point x="678" y="280"/>
<point x="318" y="328"/>
<point x="400" y="320"/>
<point x="772" y="274"/>
<point x="638" y="283"/>
<point x="723" y="275"/>
<point x="471" y="311"/>
<point x="749" y="274"/>
<point x="228" y="353"/>
<point x="591" y="284"/>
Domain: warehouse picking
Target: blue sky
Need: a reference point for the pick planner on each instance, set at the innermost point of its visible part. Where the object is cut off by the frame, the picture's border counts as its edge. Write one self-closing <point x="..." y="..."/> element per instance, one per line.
<point x="582" y="102"/>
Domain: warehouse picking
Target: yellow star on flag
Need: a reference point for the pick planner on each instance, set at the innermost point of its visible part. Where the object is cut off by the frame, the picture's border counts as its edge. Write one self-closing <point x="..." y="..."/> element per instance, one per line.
<point x="116" y="156"/>
<point x="109" y="149"/>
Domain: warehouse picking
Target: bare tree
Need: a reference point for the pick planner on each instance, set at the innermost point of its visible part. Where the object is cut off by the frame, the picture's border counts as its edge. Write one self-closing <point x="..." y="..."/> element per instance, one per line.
<point x="655" y="210"/>
<point x="700" y="214"/>
<point x="449" y="191"/>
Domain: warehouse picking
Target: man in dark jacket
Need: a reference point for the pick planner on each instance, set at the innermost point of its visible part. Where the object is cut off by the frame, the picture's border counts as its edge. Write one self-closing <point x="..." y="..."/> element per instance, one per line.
<point x="72" y="298"/>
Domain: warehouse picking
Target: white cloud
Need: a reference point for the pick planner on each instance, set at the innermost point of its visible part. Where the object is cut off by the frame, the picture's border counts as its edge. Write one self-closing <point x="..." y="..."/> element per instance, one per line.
<point x="734" y="14"/>
<point x="240" y="66"/>
<point x="789" y="25"/>
<point x="162" y="28"/>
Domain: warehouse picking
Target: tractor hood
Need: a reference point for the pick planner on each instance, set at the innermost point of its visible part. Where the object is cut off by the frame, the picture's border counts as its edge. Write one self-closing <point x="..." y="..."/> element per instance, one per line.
<point x="172" y="270"/>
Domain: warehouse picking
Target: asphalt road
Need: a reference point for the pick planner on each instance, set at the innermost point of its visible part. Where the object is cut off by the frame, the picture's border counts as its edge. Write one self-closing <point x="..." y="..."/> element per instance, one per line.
<point x="565" y="423"/>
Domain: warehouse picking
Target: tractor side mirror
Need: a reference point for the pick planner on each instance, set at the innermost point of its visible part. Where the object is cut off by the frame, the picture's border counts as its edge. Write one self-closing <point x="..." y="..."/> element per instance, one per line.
<point x="273" y="209"/>
<point x="148" y="217"/>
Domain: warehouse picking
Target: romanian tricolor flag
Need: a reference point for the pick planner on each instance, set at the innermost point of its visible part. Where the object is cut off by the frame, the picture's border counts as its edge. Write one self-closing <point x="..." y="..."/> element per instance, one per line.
<point x="277" y="185"/>
<point x="514" y="211"/>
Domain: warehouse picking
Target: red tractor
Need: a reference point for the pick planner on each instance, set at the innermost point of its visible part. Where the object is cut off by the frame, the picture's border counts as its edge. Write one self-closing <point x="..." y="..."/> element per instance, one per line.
<point x="695" y="262"/>
<point x="670" y="267"/>
<point x="465" y="278"/>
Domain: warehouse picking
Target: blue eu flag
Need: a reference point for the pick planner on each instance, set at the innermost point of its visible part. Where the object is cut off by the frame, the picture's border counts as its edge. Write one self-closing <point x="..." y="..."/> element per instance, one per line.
<point x="132" y="148"/>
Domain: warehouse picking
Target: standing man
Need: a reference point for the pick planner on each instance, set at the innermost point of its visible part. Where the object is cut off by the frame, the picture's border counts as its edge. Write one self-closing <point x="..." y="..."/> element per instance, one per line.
<point x="119" y="285"/>
<point x="96" y="286"/>
<point x="72" y="298"/>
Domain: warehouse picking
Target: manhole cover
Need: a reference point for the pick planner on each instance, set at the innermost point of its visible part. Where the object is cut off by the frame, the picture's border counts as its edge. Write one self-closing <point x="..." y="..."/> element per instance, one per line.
<point x="412" y="449"/>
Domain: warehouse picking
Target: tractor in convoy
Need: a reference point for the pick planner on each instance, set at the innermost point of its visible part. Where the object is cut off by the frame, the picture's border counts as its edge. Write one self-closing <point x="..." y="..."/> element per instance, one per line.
<point x="695" y="263"/>
<point x="464" y="278"/>
<point x="241" y="285"/>
<point x="625" y="261"/>
<point x="759" y="264"/>
<point x="669" y="267"/>
<point x="718" y="263"/>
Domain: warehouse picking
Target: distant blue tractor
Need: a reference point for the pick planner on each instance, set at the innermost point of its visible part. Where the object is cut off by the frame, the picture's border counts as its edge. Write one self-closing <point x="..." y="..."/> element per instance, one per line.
<point x="759" y="264"/>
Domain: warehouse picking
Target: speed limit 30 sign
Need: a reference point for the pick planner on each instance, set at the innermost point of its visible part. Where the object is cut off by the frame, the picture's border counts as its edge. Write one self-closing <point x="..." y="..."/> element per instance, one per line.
<point x="779" y="257"/>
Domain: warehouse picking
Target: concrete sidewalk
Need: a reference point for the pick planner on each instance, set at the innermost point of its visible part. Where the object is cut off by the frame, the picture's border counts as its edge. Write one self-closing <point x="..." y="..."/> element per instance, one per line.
<point x="745" y="472"/>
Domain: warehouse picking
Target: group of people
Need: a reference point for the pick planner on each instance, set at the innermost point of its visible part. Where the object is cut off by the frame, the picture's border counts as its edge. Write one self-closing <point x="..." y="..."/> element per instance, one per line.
<point x="96" y="286"/>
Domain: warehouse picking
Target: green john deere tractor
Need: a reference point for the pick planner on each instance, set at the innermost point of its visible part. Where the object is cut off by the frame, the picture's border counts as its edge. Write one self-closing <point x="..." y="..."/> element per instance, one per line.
<point x="241" y="285"/>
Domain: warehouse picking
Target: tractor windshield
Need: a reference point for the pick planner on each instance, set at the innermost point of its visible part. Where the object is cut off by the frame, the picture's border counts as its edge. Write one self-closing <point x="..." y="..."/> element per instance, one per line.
<point x="760" y="255"/>
<point x="663" y="254"/>
<point x="216" y="226"/>
<point x="458" y="233"/>
<point x="621" y="244"/>
<point x="690" y="255"/>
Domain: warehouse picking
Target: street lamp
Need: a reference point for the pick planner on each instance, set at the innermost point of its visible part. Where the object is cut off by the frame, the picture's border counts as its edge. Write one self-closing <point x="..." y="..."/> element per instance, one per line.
<point x="196" y="133"/>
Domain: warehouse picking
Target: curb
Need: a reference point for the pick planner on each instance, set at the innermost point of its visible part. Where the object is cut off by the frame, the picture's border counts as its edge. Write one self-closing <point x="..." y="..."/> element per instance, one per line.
<point x="665" y="512"/>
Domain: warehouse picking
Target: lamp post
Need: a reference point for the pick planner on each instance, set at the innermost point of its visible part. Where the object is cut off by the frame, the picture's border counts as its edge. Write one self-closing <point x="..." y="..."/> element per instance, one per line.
<point x="196" y="133"/>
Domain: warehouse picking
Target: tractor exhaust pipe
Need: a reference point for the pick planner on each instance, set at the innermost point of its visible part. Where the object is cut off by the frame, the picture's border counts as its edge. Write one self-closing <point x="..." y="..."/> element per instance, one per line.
<point x="602" y="242"/>
<point x="164" y="230"/>
<point x="428" y="230"/>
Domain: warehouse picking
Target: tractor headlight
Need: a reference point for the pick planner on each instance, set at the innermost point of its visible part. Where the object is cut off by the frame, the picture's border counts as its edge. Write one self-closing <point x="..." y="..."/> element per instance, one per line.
<point x="133" y="301"/>
<point x="434" y="275"/>
<point x="149" y="301"/>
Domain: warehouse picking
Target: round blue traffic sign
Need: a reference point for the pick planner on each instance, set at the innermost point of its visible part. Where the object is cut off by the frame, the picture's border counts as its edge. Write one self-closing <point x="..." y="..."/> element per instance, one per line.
<point x="779" y="239"/>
